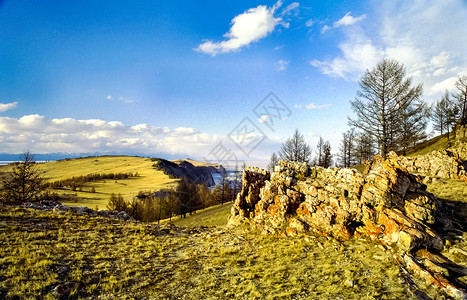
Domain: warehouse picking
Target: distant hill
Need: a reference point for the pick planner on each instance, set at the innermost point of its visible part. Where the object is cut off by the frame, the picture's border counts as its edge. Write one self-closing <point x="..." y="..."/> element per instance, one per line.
<point x="146" y="177"/>
<point x="65" y="155"/>
<point x="197" y="172"/>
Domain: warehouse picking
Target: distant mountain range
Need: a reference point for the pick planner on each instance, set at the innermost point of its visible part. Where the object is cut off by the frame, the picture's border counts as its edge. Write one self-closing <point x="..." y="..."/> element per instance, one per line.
<point x="64" y="155"/>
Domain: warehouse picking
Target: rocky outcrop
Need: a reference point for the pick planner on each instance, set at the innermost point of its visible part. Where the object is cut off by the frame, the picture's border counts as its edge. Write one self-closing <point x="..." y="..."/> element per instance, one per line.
<point x="59" y="208"/>
<point x="386" y="203"/>
<point x="196" y="174"/>
<point x="447" y="163"/>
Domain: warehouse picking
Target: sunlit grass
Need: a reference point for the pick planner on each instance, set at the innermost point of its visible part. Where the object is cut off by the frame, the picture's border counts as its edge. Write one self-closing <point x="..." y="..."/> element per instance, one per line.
<point x="449" y="189"/>
<point x="148" y="178"/>
<point x="211" y="216"/>
<point x="114" y="259"/>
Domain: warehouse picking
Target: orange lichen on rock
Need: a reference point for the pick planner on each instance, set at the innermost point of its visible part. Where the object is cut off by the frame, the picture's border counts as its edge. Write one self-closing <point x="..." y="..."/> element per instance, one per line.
<point x="387" y="203"/>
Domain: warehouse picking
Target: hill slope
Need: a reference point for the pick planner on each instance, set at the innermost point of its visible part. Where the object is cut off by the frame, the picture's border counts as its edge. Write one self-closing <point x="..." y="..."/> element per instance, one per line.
<point x="106" y="258"/>
<point x="96" y="193"/>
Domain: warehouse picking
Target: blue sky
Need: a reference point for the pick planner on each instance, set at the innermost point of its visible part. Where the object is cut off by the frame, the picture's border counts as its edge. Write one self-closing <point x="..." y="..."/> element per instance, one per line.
<point x="178" y="78"/>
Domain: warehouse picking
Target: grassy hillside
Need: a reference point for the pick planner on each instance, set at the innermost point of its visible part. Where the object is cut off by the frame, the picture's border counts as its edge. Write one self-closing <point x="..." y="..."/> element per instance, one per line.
<point x="148" y="178"/>
<point x="123" y="260"/>
<point x="437" y="143"/>
<point x="212" y="216"/>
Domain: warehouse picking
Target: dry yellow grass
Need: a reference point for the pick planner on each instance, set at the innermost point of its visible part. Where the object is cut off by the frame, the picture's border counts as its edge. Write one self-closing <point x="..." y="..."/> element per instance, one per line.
<point x="109" y="259"/>
<point x="148" y="178"/>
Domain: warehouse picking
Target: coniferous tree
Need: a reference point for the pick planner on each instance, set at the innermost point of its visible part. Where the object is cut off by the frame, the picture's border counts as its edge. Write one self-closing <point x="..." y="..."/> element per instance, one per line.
<point x="237" y="182"/>
<point x="364" y="149"/>
<point x="319" y="152"/>
<point x="273" y="162"/>
<point x="385" y="93"/>
<point x="412" y="125"/>
<point x="117" y="203"/>
<point x="327" y="156"/>
<point x="461" y="96"/>
<point x="444" y="115"/>
<point x="346" y="149"/>
<point x="24" y="183"/>
<point x="295" y="149"/>
<point x="187" y="198"/>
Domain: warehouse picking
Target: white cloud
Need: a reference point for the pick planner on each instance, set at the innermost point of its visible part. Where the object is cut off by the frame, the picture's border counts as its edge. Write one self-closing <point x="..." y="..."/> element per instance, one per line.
<point x="325" y="28"/>
<point x="346" y="20"/>
<point x="413" y="32"/>
<point x="440" y="60"/>
<point x="120" y="99"/>
<point x="278" y="47"/>
<point x="126" y="100"/>
<point x="311" y="106"/>
<point x="309" y="23"/>
<point x="291" y="7"/>
<point x="7" y="106"/>
<point x="281" y="65"/>
<point x="357" y="55"/>
<point x="248" y="27"/>
<point x="316" y="106"/>
<point x="43" y="135"/>
<point x="447" y="84"/>
<point x="264" y="119"/>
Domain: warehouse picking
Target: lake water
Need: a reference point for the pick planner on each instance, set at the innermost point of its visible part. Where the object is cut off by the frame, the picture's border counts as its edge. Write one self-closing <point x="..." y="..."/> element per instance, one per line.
<point x="6" y="162"/>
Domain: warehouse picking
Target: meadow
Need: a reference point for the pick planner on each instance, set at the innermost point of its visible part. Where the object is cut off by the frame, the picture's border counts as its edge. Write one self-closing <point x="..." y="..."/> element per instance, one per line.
<point x="96" y="194"/>
<point x="113" y="259"/>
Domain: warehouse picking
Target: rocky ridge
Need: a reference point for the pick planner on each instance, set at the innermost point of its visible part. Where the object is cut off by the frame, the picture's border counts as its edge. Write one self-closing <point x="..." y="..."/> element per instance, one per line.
<point x="196" y="174"/>
<point x="447" y="163"/>
<point x="387" y="203"/>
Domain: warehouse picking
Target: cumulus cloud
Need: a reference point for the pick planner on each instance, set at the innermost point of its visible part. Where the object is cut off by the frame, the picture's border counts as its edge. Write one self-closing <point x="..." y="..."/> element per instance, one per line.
<point x="43" y="135"/>
<point x="281" y="65"/>
<point x="248" y="27"/>
<point x="7" y="106"/>
<point x="346" y="20"/>
<point x="413" y="32"/>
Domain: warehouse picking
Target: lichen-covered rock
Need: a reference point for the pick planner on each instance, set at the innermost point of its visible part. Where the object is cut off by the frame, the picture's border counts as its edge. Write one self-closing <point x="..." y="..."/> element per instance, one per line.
<point x="446" y="163"/>
<point x="387" y="203"/>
